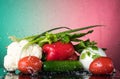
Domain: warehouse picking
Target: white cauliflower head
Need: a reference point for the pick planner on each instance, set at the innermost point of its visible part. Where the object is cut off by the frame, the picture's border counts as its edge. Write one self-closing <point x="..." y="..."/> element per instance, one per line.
<point x="15" y="52"/>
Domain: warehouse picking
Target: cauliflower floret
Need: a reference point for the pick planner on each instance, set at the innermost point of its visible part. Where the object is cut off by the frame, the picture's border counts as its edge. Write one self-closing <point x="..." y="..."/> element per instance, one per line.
<point x="33" y="50"/>
<point x="10" y="62"/>
<point x="13" y="47"/>
<point x="15" y="52"/>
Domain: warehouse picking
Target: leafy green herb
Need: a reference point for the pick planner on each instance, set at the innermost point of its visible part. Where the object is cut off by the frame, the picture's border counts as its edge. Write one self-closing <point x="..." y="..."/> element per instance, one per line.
<point x="42" y="34"/>
<point x="94" y="47"/>
<point x="64" y="36"/>
<point x="65" y="39"/>
<point x="34" y="37"/>
<point x="48" y="38"/>
<point x="85" y="44"/>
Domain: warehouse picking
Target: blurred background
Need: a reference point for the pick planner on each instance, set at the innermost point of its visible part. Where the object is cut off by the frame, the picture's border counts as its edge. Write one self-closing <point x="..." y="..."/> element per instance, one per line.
<point x="27" y="17"/>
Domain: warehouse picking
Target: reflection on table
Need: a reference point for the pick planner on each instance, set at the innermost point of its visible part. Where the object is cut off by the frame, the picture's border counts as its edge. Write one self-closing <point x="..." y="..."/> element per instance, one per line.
<point x="38" y="76"/>
<point x="74" y="75"/>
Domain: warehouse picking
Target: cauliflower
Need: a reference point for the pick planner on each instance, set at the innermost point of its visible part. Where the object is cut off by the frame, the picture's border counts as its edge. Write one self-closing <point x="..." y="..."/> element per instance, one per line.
<point x="15" y="52"/>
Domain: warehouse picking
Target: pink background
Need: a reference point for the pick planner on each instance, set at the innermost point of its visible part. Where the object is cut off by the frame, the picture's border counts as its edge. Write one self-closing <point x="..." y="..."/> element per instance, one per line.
<point x="79" y="13"/>
<point x="104" y="12"/>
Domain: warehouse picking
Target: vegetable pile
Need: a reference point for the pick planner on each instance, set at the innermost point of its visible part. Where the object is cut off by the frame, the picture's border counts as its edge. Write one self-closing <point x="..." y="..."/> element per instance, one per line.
<point x="56" y="52"/>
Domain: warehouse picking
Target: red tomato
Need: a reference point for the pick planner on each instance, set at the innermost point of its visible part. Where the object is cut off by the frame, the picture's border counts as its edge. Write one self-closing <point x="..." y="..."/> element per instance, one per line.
<point x="29" y="65"/>
<point x="101" y="65"/>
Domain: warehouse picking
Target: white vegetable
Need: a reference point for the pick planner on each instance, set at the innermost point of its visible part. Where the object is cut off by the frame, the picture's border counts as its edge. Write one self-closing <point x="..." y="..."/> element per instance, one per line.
<point x="87" y="56"/>
<point x="15" y="52"/>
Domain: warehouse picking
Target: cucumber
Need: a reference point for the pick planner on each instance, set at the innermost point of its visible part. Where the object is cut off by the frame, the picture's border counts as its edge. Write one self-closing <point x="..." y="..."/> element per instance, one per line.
<point x="62" y="66"/>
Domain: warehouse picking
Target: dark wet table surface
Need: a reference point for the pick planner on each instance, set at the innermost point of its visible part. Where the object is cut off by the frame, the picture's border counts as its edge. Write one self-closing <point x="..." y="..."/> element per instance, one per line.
<point x="59" y="75"/>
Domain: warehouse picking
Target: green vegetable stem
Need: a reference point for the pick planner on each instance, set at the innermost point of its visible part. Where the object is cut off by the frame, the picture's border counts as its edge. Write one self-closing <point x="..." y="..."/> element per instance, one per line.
<point x="64" y="36"/>
<point x="85" y="44"/>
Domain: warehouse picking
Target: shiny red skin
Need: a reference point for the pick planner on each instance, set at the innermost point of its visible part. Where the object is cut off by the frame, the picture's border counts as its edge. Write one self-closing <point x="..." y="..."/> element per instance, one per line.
<point x="30" y="65"/>
<point x="58" y="51"/>
<point x="73" y="57"/>
<point x="102" y="65"/>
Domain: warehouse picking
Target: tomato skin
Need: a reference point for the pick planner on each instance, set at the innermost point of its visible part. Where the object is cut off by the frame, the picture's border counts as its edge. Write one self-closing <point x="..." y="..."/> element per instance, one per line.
<point x="30" y="65"/>
<point x="101" y="65"/>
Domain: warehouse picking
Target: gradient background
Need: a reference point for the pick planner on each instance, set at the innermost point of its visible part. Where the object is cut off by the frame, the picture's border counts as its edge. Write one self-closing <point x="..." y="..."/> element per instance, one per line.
<point x="27" y="17"/>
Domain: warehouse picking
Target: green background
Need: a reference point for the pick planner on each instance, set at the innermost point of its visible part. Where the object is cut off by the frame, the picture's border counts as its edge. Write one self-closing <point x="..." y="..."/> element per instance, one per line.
<point x="19" y="18"/>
